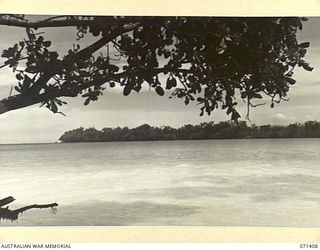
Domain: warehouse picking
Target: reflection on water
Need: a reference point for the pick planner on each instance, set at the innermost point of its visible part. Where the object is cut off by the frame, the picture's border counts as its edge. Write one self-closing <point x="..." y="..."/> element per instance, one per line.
<point x="210" y="183"/>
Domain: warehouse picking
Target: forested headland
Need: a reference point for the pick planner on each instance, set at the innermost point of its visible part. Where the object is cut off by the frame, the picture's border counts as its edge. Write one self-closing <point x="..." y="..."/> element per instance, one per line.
<point x="206" y="130"/>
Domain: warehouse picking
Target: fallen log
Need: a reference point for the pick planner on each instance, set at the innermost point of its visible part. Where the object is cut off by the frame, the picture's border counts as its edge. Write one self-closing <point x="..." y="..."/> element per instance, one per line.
<point x="6" y="213"/>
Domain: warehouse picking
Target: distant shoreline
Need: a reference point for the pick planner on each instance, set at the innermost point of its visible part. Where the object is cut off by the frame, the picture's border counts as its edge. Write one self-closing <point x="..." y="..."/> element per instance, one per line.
<point x="221" y="139"/>
<point x="203" y="131"/>
<point x="228" y="139"/>
<point x="29" y="143"/>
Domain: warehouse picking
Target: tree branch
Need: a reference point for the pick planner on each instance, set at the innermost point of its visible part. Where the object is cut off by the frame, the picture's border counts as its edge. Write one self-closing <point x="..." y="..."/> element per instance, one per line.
<point x="21" y="101"/>
<point x="9" y="21"/>
<point x="24" y="100"/>
<point x="88" y="51"/>
<point x="81" y="55"/>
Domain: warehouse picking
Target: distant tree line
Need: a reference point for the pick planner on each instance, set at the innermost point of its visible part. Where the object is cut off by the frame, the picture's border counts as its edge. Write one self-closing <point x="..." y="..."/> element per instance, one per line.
<point x="205" y="130"/>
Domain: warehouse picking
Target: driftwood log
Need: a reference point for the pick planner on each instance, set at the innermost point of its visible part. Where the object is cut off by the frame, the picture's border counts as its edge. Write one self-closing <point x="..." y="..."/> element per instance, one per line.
<point x="6" y="213"/>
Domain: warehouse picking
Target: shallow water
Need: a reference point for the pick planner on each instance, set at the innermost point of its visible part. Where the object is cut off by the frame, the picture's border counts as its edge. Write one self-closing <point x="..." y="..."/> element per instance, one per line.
<point x="272" y="182"/>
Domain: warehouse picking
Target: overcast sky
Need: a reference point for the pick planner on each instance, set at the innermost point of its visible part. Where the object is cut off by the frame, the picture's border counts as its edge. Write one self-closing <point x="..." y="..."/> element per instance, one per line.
<point x="34" y="124"/>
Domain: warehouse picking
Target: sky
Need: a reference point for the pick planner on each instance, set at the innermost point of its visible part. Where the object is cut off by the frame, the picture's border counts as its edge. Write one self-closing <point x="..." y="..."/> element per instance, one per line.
<point x="39" y="125"/>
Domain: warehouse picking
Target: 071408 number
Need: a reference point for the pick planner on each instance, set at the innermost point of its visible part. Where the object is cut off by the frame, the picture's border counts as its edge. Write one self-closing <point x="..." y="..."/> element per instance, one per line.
<point x="308" y="245"/>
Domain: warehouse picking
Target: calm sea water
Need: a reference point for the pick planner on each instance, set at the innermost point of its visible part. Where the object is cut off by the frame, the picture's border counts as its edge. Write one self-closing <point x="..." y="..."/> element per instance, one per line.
<point x="209" y="183"/>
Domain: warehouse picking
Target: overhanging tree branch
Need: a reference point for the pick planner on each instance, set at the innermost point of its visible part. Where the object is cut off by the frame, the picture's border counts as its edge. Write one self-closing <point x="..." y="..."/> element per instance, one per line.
<point x="48" y="23"/>
<point x="209" y="56"/>
<point x="114" y="32"/>
<point x="20" y="101"/>
<point x="81" y="55"/>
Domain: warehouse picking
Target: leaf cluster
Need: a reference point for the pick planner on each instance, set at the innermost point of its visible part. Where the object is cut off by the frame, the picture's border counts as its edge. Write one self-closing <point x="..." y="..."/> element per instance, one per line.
<point x="213" y="61"/>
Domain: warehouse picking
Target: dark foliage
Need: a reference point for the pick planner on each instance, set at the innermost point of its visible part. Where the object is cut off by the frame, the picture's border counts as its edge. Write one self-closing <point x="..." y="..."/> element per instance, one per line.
<point x="222" y="130"/>
<point x="210" y="60"/>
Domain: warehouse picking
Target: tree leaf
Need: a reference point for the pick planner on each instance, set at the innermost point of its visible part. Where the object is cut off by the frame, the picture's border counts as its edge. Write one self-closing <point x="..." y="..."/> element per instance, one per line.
<point x="47" y="43"/>
<point x="126" y="90"/>
<point x="31" y="69"/>
<point x="19" y="76"/>
<point x="304" y="45"/>
<point x="17" y="89"/>
<point x="256" y="95"/>
<point x="186" y="101"/>
<point x="113" y="68"/>
<point x="290" y="80"/>
<point x="87" y="101"/>
<point x="168" y="84"/>
<point x="235" y="116"/>
<point x="160" y="90"/>
<point x="5" y="53"/>
<point x="54" y="107"/>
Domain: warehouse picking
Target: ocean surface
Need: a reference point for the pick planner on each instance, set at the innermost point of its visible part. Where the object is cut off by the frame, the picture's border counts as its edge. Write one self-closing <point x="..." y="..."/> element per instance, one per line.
<point x="270" y="182"/>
